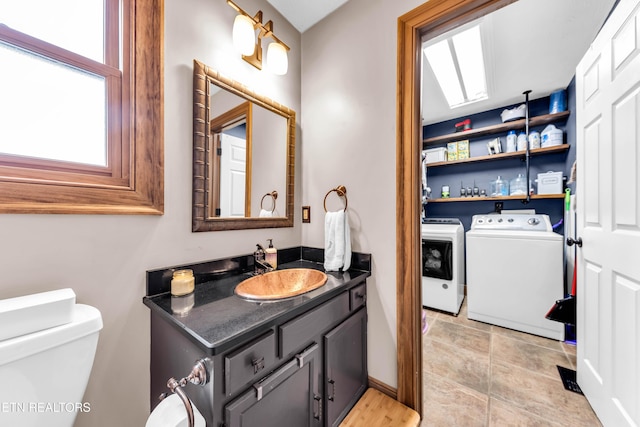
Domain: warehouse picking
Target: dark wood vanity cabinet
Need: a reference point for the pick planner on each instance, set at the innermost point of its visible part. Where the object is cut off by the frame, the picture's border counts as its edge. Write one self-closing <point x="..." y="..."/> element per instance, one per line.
<point x="345" y="366"/>
<point x="288" y="396"/>
<point x="306" y="370"/>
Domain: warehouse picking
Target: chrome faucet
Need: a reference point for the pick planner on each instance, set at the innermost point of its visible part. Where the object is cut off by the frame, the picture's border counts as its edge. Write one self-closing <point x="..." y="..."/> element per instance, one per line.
<point x="260" y="266"/>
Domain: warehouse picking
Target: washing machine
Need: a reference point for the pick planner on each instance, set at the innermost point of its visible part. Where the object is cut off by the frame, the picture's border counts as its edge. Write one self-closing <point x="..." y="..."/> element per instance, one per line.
<point x="514" y="272"/>
<point x="443" y="264"/>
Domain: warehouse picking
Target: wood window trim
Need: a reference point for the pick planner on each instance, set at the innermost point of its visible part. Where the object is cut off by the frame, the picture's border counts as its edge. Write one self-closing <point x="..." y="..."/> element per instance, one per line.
<point x="139" y="185"/>
<point x="433" y="17"/>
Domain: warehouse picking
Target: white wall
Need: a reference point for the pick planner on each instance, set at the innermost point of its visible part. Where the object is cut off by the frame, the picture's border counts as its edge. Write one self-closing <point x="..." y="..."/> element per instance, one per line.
<point x="349" y="138"/>
<point x="104" y="258"/>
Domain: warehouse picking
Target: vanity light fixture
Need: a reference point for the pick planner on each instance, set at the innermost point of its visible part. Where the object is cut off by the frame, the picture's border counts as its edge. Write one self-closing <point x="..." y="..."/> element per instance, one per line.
<point x="250" y="46"/>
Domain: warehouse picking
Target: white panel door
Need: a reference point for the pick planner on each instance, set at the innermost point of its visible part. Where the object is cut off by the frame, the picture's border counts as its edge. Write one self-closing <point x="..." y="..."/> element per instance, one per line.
<point x="608" y="222"/>
<point x="233" y="176"/>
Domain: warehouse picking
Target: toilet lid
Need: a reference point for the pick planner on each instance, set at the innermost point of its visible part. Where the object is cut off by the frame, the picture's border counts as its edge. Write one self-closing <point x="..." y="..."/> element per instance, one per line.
<point x="172" y="413"/>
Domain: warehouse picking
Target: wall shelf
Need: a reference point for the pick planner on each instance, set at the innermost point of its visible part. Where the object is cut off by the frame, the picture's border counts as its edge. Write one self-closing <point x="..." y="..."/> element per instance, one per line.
<point x="497" y="198"/>
<point x="533" y="152"/>
<point x="499" y="128"/>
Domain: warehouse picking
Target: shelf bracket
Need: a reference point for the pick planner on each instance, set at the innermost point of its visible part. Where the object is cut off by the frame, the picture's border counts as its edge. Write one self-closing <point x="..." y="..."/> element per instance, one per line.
<point x="527" y="155"/>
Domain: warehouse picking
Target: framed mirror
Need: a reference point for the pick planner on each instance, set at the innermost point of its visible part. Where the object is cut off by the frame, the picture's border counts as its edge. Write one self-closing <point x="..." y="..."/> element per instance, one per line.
<point x="243" y="156"/>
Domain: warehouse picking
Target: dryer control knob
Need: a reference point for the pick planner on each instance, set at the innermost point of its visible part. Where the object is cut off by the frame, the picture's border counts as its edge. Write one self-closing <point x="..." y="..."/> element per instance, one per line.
<point x="533" y="221"/>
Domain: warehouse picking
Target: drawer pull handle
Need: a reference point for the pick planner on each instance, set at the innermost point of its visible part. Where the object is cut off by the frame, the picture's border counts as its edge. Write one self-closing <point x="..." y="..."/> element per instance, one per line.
<point x="317" y="400"/>
<point x="332" y="395"/>
<point x="363" y="297"/>
<point x="301" y="357"/>
<point x="258" y="365"/>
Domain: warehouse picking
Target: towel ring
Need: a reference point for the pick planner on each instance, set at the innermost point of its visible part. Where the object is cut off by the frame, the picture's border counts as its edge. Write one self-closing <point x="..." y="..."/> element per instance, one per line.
<point x="274" y="196"/>
<point x="341" y="191"/>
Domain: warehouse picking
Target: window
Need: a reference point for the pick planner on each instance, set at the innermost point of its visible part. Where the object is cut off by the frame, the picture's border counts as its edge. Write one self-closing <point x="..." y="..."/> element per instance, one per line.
<point x="81" y="106"/>
<point x="458" y="64"/>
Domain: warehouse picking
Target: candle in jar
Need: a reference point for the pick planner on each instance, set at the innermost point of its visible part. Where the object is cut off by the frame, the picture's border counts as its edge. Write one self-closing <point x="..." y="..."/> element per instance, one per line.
<point x="182" y="282"/>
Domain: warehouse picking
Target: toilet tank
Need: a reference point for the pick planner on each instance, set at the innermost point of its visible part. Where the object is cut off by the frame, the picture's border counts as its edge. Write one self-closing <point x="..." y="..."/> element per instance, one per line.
<point x="45" y="372"/>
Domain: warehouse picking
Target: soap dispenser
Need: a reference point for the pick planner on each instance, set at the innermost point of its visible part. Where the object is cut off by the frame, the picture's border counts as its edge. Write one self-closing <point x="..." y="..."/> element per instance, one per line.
<point x="271" y="255"/>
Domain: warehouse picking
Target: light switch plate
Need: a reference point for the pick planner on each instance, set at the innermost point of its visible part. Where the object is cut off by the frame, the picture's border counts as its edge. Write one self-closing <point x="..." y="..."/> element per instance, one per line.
<point x="306" y="214"/>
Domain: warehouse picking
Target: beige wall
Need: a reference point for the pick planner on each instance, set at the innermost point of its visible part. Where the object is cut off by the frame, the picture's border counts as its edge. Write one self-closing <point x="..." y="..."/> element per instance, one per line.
<point x="349" y="129"/>
<point x="104" y="258"/>
<point x="346" y="107"/>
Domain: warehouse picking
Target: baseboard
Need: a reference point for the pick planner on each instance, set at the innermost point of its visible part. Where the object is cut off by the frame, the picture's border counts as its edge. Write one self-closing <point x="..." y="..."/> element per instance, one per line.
<point x="383" y="388"/>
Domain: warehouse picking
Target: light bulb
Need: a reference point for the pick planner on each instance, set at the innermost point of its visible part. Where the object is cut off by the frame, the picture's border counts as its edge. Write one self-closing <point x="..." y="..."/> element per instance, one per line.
<point x="244" y="36"/>
<point x="277" y="61"/>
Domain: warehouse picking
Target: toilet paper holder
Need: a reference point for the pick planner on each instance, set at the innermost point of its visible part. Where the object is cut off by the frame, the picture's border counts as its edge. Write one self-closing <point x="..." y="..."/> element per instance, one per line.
<point x="199" y="375"/>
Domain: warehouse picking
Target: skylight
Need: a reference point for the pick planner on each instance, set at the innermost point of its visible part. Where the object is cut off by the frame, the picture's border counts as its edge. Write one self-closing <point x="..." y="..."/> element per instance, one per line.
<point x="458" y="64"/>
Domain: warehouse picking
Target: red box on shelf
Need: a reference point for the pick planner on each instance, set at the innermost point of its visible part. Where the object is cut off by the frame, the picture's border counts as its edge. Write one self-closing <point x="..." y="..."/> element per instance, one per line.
<point x="463" y="125"/>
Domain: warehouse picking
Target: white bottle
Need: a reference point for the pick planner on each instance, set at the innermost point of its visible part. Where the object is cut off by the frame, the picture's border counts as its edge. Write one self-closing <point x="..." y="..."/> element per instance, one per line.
<point x="271" y="255"/>
<point x="551" y="136"/>
<point x="522" y="142"/>
<point x="511" y="141"/>
<point x="534" y="140"/>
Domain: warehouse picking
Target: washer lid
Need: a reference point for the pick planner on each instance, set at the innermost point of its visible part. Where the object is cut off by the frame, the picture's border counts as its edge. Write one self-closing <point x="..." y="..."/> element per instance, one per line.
<point x="442" y="230"/>
<point x="454" y="221"/>
<point x="516" y="235"/>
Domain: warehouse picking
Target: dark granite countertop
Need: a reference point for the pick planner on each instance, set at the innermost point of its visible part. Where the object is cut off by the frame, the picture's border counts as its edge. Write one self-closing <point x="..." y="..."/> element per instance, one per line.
<point x="219" y="320"/>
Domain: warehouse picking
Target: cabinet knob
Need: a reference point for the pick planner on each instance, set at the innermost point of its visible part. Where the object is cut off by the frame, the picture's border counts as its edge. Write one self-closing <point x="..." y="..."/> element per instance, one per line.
<point x="258" y="365"/>
<point x="577" y="242"/>
<point x="361" y="296"/>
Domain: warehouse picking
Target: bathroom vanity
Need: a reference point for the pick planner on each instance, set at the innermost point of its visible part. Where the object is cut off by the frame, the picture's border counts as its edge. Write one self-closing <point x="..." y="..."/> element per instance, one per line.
<point x="301" y="361"/>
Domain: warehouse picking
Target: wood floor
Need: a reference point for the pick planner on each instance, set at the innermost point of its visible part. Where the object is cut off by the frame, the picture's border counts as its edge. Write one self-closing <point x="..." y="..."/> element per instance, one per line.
<point x="376" y="409"/>
<point x="482" y="375"/>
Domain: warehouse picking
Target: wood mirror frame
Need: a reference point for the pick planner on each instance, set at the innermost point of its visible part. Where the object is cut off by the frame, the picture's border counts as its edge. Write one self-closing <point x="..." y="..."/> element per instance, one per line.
<point x="203" y="77"/>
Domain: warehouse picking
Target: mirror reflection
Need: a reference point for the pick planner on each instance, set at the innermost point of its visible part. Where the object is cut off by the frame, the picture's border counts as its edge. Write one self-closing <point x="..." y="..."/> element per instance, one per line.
<point x="243" y="156"/>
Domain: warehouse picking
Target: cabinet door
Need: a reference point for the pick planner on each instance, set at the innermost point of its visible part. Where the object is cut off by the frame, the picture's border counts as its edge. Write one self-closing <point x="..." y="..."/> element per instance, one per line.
<point x="286" y="397"/>
<point x="345" y="366"/>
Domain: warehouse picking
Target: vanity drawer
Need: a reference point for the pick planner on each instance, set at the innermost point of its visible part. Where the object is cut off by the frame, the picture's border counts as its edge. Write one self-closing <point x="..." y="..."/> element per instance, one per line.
<point x="358" y="297"/>
<point x="249" y="362"/>
<point x="297" y="333"/>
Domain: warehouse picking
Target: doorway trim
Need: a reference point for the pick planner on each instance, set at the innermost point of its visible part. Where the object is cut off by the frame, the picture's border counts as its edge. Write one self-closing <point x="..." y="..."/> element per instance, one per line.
<point x="431" y="17"/>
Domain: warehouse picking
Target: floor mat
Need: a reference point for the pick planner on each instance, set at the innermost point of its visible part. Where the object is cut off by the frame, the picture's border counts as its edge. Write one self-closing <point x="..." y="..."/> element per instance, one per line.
<point x="568" y="377"/>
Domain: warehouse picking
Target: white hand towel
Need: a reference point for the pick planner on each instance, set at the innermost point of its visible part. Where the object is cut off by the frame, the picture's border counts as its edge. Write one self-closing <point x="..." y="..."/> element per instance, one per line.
<point x="337" y="241"/>
<point x="265" y="213"/>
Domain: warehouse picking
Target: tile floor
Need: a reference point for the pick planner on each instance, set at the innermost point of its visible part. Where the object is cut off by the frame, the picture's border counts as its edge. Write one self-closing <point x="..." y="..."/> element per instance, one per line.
<point x="476" y="374"/>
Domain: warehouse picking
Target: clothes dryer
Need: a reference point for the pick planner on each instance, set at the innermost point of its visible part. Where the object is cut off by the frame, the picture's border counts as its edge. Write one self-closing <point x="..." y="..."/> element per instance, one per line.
<point x="514" y="272"/>
<point x="443" y="264"/>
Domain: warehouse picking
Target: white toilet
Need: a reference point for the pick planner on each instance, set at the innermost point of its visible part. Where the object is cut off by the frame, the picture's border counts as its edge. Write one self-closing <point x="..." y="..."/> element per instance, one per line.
<point x="47" y="347"/>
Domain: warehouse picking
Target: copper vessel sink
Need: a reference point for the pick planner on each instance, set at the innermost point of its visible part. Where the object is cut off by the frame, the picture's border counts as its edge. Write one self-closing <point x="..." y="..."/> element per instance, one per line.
<point x="280" y="284"/>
